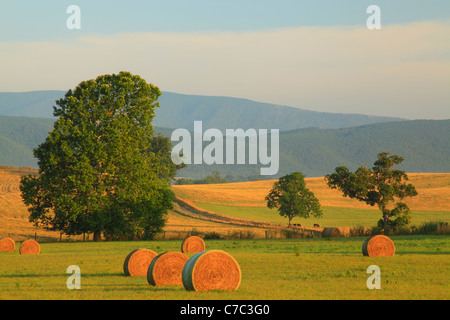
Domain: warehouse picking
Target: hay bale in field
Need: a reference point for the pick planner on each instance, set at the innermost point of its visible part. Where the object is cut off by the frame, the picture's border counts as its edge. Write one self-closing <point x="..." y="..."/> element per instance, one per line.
<point x="211" y="270"/>
<point x="7" y="245"/>
<point x="30" y="246"/>
<point x="138" y="261"/>
<point x="166" y="269"/>
<point x="378" y="246"/>
<point x="193" y="244"/>
<point x="330" y="232"/>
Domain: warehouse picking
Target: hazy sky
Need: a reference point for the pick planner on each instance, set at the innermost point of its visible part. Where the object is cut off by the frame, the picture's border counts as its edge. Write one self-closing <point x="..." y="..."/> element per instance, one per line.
<point x="316" y="55"/>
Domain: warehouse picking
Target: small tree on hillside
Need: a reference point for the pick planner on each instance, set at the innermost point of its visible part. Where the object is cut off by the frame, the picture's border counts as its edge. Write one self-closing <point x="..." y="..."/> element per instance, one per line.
<point x="377" y="186"/>
<point x="290" y="195"/>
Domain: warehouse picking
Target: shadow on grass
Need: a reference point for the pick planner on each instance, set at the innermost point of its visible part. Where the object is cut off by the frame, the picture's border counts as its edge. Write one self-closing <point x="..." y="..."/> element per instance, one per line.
<point x="134" y="287"/>
<point x="64" y="275"/>
<point x="31" y="275"/>
<point x="423" y="252"/>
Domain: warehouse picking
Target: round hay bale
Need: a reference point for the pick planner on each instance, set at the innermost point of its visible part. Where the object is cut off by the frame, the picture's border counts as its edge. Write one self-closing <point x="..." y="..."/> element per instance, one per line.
<point x="211" y="270"/>
<point x="166" y="269"/>
<point x="7" y="245"/>
<point x="378" y="246"/>
<point x="330" y="232"/>
<point x="30" y="246"/>
<point x="193" y="244"/>
<point x="138" y="261"/>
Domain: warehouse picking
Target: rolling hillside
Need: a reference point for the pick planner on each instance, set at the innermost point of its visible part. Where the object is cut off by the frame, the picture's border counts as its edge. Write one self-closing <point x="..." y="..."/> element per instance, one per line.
<point x="425" y="145"/>
<point x="18" y="137"/>
<point x="14" y="215"/>
<point x="433" y="193"/>
<point x="311" y="142"/>
<point x="241" y="200"/>
<point x="245" y="200"/>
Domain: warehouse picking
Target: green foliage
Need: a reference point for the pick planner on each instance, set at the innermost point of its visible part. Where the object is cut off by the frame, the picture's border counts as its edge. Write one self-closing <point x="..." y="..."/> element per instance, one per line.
<point x="377" y="186"/>
<point x="359" y="231"/>
<point x="101" y="169"/>
<point x="161" y="146"/>
<point x="396" y="218"/>
<point x="314" y="152"/>
<point x="213" y="235"/>
<point x="432" y="227"/>
<point x="424" y="228"/>
<point x="292" y="199"/>
<point x="242" y="234"/>
<point x="194" y="232"/>
<point x="209" y="179"/>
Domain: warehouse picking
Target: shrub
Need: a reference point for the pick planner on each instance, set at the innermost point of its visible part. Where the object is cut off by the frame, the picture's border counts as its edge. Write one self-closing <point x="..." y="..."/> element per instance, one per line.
<point x="359" y="231"/>
<point x="194" y="232"/>
<point x="432" y="227"/>
<point x="213" y="236"/>
<point x="290" y="234"/>
<point x="248" y="234"/>
<point x="376" y="230"/>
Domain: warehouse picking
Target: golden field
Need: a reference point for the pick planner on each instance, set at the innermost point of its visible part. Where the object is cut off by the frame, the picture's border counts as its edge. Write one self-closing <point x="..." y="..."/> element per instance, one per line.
<point x="14" y="215"/>
<point x="246" y="200"/>
<point x="433" y="189"/>
<point x="272" y="269"/>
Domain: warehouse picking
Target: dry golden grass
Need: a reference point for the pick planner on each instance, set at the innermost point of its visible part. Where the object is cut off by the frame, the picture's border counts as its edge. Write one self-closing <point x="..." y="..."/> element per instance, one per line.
<point x="13" y="213"/>
<point x="14" y="216"/>
<point x="179" y="225"/>
<point x="433" y="189"/>
<point x="10" y="200"/>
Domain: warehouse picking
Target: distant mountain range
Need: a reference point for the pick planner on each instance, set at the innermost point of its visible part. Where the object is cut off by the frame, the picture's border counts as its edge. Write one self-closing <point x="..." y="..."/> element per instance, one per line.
<point x="180" y="111"/>
<point x="310" y="142"/>
<point x="425" y="145"/>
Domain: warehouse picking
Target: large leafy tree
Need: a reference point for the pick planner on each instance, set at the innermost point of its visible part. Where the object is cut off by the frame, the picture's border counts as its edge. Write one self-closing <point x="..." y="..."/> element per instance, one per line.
<point x="292" y="199"/>
<point x="379" y="186"/>
<point x="101" y="169"/>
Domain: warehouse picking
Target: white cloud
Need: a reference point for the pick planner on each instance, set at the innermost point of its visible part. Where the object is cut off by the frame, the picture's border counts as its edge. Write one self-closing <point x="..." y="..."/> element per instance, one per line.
<point x="400" y="70"/>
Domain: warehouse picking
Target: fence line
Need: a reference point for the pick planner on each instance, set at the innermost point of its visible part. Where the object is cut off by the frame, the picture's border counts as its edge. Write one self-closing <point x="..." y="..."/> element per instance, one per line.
<point x="191" y="210"/>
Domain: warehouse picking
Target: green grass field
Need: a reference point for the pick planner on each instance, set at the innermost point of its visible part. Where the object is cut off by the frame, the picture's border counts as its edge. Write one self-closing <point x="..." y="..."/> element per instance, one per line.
<point x="287" y="269"/>
<point x="332" y="216"/>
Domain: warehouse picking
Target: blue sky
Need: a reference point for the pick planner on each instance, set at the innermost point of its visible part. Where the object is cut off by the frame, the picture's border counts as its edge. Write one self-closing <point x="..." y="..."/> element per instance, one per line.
<point x="45" y="19"/>
<point x="316" y="55"/>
